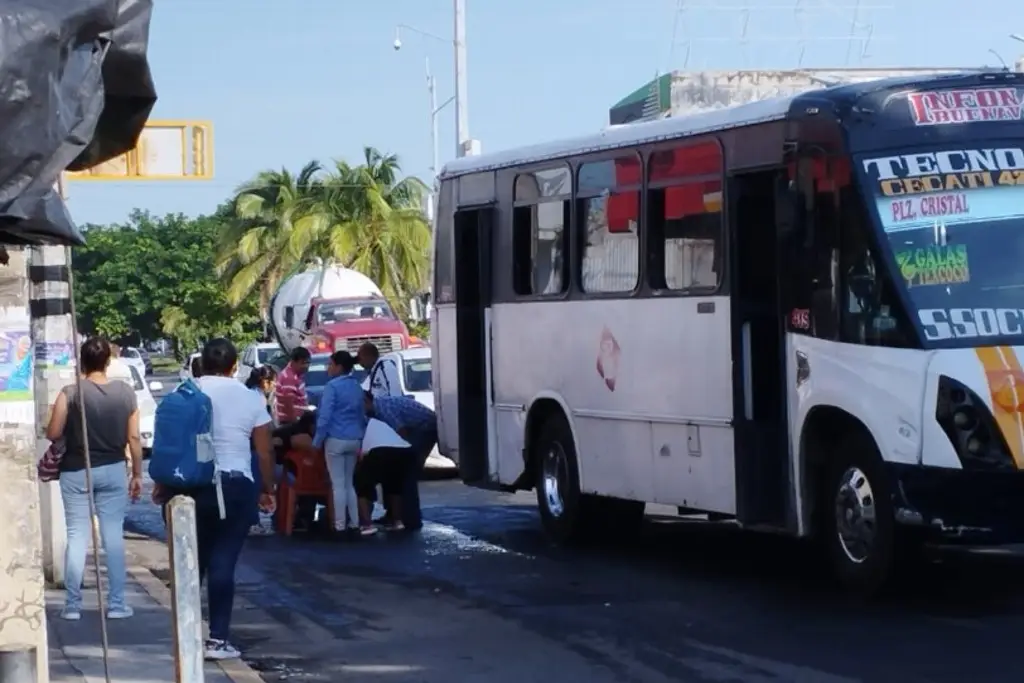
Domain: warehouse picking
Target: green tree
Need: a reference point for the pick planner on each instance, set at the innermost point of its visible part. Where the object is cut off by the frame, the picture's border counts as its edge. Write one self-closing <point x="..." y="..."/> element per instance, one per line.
<point x="153" y="277"/>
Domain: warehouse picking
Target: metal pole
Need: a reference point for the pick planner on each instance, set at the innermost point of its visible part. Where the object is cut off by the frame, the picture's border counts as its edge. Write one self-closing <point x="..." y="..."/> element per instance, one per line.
<point x="186" y="602"/>
<point x="461" y="105"/>
<point x="18" y="664"/>
<point x="436" y="158"/>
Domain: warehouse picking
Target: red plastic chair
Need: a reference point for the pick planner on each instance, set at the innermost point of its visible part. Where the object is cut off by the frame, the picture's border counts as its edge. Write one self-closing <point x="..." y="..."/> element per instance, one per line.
<point x="311" y="478"/>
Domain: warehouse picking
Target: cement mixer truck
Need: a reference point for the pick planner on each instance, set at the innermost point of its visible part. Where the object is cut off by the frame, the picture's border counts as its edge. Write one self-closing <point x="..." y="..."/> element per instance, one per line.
<point x="334" y="309"/>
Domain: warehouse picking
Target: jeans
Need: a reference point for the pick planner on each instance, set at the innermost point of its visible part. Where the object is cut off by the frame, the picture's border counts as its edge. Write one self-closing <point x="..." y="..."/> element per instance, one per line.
<point x="110" y="490"/>
<point x="423" y="442"/>
<point x="220" y="543"/>
<point x="341" y="463"/>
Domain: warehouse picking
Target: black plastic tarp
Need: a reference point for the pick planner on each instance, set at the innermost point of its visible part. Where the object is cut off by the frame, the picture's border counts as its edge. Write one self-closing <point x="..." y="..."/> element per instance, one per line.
<point x="75" y="91"/>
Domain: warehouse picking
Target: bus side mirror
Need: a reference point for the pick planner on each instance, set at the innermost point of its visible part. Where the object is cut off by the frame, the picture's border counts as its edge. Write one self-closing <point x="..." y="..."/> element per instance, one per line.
<point x="289" y="317"/>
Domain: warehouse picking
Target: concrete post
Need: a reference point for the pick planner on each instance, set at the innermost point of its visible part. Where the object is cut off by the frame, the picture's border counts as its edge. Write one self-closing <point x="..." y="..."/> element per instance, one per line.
<point x="186" y="600"/>
<point x="22" y="597"/>
<point x="55" y="356"/>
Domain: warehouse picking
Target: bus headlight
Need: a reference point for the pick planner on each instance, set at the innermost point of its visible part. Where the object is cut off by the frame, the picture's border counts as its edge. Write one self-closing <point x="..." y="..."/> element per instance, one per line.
<point x="971" y="428"/>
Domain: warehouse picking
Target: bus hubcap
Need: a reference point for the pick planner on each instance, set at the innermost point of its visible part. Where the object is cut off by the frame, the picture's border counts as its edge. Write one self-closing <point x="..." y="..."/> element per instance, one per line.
<point x="855" y="515"/>
<point x="554" y="478"/>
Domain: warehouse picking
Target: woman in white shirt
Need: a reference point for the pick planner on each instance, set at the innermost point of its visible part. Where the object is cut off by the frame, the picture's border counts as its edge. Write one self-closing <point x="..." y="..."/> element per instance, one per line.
<point x="241" y="424"/>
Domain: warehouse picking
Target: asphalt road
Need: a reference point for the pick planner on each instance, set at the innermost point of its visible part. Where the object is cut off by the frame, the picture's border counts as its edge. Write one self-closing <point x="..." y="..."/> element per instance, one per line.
<point x="479" y="594"/>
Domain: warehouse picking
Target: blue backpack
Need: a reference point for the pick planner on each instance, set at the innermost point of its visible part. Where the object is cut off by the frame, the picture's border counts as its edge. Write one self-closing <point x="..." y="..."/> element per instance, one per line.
<point x="182" y="456"/>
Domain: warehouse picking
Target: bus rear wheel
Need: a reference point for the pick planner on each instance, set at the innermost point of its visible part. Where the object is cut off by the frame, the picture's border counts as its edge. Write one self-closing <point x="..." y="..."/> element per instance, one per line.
<point x="857" y="517"/>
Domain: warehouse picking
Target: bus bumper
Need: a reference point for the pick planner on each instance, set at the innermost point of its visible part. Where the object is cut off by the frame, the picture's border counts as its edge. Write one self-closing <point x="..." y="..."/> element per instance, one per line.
<point x="957" y="506"/>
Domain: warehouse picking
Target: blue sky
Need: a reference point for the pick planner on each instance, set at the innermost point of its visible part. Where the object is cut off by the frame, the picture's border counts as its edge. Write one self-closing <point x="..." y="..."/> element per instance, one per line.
<point x="286" y="82"/>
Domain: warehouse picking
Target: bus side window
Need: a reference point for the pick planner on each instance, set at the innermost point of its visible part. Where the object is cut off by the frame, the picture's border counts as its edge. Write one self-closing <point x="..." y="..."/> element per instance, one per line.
<point x="540" y="240"/>
<point x="444" y="246"/>
<point x="684" y="218"/>
<point x="608" y="217"/>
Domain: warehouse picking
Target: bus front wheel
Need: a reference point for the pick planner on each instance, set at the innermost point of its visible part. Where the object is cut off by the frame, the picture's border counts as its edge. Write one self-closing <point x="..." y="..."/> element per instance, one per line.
<point x="857" y="517"/>
<point x="558" y="480"/>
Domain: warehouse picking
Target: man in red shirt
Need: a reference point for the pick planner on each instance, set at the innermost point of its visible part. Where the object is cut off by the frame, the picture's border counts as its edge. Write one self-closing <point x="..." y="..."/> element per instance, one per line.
<point x="290" y="393"/>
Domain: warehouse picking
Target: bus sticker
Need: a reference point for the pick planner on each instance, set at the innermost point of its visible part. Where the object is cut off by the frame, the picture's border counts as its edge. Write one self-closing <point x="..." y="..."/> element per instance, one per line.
<point x="943" y="107"/>
<point x="967" y="323"/>
<point x="608" y="353"/>
<point x="934" y="265"/>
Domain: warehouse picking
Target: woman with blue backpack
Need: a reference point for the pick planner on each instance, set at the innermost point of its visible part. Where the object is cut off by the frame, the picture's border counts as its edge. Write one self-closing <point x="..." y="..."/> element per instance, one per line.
<point x="204" y="436"/>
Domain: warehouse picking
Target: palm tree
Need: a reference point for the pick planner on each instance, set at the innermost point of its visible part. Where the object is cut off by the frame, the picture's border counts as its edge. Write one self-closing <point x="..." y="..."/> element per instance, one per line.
<point x="370" y="219"/>
<point x="364" y="217"/>
<point x="266" y="211"/>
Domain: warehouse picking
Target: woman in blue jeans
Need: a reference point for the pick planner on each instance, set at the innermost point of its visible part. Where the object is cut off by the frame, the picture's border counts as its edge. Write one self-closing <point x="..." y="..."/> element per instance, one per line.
<point x="112" y="421"/>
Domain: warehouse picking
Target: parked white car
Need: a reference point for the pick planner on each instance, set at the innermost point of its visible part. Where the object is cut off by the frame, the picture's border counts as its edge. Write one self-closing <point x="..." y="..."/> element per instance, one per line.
<point x="414" y="372"/>
<point x="132" y="357"/>
<point x="253" y="357"/>
<point x="144" y="399"/>
<point x="185" y="372"/>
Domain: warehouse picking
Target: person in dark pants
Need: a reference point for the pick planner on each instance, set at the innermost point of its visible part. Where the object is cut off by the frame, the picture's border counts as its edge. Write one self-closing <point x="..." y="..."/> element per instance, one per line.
<point x="240" y="424"/>
<point x="417" y="424"/>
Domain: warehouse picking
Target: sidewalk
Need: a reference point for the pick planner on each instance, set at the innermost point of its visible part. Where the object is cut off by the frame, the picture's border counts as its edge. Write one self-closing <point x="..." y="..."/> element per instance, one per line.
<point x="141" y="648"/>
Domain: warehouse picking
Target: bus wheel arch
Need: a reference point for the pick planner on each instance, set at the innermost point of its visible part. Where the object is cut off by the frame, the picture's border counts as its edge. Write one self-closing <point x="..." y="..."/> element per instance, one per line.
<point x="543" y="408"/>
<point x="848" y="496"/>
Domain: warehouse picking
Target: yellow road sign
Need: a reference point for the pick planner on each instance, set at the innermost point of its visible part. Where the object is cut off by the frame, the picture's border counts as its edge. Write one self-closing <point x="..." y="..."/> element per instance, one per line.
<point x="167" y="150"/>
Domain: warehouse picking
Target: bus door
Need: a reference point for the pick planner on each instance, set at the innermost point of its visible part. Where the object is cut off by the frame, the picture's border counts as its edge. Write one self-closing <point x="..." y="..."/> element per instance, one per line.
<point x="473" y="237"/>
<point x="759" y="386"/>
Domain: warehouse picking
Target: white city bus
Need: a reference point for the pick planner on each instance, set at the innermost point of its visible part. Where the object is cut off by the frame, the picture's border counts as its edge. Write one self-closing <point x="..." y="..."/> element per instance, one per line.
<point x="803" y="314"/>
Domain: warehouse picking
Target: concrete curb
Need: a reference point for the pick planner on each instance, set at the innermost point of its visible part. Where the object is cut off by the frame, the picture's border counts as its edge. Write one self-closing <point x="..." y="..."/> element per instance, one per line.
<point x="235" y="669"/>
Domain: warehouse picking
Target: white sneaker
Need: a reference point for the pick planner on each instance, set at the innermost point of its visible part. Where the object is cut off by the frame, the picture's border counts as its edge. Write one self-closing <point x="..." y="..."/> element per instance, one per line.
<point x="71" y="614"/>
<point x="124" y="612"/>
<point x="220" y="649"/>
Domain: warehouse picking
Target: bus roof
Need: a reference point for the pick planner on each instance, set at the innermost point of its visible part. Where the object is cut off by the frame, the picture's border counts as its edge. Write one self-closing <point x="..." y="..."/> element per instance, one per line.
<point x="626" y="135"/>
<point x="620" y="136"/>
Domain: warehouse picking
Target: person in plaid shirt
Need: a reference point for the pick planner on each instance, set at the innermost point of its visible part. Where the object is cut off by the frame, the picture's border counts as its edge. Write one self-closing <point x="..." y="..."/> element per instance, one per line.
<point x="417" y="424"/>
<point x="290" y="400"/>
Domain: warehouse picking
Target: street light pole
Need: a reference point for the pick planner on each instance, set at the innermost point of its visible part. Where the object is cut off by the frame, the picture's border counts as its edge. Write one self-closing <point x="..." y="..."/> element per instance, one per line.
<point x="461" y="105"/>
<point x="1018" y="64"/>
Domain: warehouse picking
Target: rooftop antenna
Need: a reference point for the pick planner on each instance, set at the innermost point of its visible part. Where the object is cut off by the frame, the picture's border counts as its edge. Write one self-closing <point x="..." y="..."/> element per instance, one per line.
<point x="999" y="57"/>
<point x="817" y="21"/>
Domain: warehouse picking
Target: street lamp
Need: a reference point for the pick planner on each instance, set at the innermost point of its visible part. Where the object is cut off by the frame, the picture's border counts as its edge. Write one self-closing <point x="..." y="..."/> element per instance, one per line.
<point x="464" y="144"/>
<point x="435" y="109"/>
<point x="1019" y="65"/>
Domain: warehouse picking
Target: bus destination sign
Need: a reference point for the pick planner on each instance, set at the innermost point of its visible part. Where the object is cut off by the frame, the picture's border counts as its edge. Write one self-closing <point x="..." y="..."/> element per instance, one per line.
<point x="914" y="190"/>
<point x="975" y="105"/>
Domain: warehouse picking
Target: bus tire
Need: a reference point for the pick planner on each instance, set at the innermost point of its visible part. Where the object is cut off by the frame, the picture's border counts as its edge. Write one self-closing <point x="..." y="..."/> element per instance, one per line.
<point x="858" y="522"/>
<point x="558" y="481"/>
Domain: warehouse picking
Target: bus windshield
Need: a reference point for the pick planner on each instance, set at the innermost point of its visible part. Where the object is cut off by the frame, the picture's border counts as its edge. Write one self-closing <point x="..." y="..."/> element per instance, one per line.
<point x="954" y="219"/>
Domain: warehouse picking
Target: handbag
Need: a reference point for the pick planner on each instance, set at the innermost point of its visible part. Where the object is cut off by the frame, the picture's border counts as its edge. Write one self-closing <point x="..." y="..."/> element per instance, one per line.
<point x="48" y="466"/>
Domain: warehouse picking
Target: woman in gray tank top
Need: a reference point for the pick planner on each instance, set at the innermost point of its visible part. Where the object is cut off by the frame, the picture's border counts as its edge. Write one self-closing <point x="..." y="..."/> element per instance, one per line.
<point x="112" y="424"/>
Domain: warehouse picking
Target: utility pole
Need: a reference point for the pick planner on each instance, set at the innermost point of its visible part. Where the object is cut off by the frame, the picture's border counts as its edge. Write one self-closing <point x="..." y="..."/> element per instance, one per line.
<point x="55" y="361"/>
<point x="463" y="142"/>
<point x="22" y="594"/>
